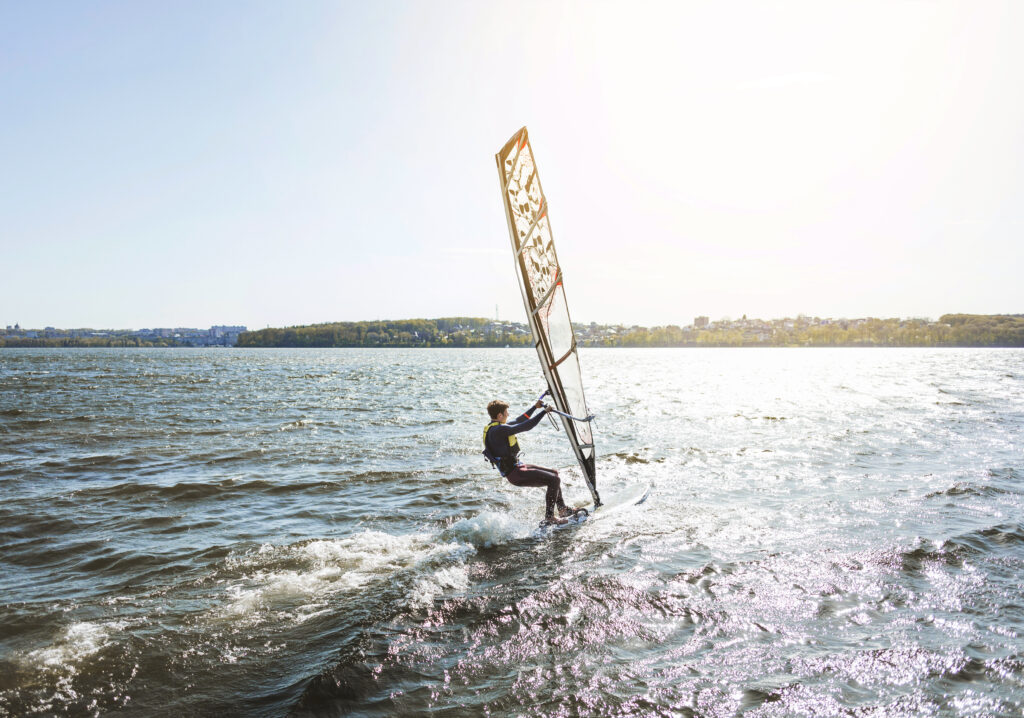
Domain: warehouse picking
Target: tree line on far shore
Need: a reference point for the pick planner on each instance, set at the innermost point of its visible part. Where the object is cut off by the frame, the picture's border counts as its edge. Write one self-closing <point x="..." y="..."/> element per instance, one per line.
<point x="952" y="330"/>
<point x="86" y="342"/>
<point x="446" y="332"/>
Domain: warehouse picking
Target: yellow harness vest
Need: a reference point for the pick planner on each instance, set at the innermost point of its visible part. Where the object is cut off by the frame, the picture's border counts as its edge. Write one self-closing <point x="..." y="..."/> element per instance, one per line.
<point x="513" y="449"/>
<point x="511" y="438"/>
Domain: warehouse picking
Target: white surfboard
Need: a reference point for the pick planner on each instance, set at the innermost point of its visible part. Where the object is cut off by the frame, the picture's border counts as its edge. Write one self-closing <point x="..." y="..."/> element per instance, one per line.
<point x="629" y="496"/>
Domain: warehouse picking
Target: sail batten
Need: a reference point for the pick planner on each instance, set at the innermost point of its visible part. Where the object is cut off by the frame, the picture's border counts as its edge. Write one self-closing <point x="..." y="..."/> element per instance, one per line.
<point x="543" y="290"/>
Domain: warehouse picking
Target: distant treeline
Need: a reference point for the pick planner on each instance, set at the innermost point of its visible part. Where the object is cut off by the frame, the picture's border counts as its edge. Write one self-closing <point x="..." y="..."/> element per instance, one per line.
<point x="72" y="342"/>
<point x="952" y="330"/>
<point x="447" y="332"/>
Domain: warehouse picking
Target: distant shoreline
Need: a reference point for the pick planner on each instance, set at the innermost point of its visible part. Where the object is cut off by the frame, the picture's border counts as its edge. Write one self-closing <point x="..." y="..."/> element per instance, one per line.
<point x="951" y="330"/>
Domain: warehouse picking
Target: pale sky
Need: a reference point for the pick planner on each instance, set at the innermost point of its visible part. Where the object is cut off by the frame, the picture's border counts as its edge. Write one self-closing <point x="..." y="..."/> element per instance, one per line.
<point x="271" y="163"/>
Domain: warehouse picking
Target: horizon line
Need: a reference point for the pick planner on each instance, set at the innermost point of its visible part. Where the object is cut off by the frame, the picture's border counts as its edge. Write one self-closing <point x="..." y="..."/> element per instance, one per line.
<point x="17" y="326"/>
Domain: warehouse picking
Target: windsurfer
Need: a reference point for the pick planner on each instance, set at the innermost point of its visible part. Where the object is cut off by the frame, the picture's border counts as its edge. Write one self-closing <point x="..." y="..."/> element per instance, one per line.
<point x="502" y="449"/>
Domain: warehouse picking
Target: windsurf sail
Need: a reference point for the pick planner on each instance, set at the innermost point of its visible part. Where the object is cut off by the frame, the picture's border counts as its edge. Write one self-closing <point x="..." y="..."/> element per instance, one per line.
<point x="543" y="289"/>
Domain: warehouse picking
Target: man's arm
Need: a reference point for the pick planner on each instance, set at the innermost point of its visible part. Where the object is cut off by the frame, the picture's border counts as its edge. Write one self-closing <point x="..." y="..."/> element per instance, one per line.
<point x="522" y="417"/>
<point x="525" y="422"/>
<point x="526" y="414"/>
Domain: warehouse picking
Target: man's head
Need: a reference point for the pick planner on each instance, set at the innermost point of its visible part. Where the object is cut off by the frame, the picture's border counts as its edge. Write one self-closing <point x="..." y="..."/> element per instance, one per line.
<point x="496" y="408"/>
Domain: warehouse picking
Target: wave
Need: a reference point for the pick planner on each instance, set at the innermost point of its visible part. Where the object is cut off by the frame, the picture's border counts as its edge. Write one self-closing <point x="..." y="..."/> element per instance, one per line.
<point x="434" y="422"/>
<point x="198" y="490"/>
<point x="634" y="458"/>
<point x="982" y="544"/>
<point x="371" y="477"/>
<point x="1006" y="473"/>
<point x="76" y="643"/>
<point x="290" y="580"/>
<point x="488" y="529"/>
<point x="298" y="580"/>
<point x="426" y="589"/>
<point x="1008" y="535"/>
<point x="961" y="489"/>
<point x="18" y="525"/>
<point x="230" y="458"/>
<point x="95" y="461"/>
<point x="29" y="424"/>
<point x="509" y="631"/>
<point x="630" y="458"/>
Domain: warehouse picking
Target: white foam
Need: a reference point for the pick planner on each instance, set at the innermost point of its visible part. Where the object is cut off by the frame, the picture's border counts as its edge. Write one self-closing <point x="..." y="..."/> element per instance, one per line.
<point x="331" y="566"/>
<point x="426" y="589"/>
<point x="78" y="641"/>
<point x="371" y="552"/>
<point x="271" y="588"/>
<point x="489" y="529"/>
<point x="321" y="568"/>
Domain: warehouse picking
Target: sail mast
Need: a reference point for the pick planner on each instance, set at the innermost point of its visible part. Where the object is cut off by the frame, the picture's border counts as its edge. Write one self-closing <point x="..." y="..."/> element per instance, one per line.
<point x="543" y="290"/>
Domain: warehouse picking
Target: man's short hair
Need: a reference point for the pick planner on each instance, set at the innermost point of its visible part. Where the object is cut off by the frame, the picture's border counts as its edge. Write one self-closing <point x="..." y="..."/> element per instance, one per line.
<point x="496" y="407"/>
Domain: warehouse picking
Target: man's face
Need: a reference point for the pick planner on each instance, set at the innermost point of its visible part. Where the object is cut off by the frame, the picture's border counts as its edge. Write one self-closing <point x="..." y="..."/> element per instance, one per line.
<point x="503" y="416"/>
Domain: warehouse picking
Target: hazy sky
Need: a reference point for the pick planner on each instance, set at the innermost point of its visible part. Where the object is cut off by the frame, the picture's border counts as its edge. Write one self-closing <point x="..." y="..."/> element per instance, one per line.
<point x="189" y="164"/>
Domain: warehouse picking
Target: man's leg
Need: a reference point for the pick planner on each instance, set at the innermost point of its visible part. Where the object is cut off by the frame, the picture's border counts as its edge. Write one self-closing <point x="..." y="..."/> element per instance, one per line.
<point x="530" y="475"/>
<point x="563" y="510"/>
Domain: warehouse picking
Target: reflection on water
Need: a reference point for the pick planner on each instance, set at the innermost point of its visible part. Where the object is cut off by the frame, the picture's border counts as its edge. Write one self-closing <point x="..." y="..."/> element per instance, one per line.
<point x="315" y="532"/>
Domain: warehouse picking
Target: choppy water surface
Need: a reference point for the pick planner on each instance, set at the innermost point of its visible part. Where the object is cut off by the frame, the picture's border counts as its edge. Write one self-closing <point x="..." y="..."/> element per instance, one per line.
<point x="314" y="532"/>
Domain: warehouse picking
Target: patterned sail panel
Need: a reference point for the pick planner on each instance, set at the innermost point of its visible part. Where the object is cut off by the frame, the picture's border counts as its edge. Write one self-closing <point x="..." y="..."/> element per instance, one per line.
<point x="541" y="283"/>
<point x="539" y="261"/>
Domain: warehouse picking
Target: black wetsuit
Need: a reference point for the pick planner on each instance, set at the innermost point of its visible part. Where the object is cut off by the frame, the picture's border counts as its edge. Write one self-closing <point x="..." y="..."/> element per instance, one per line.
<point x="525" y="474"/>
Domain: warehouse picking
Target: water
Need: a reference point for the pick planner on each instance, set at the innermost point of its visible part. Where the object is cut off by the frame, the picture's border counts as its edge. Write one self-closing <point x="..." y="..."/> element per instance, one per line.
<point x="314" y="532"/>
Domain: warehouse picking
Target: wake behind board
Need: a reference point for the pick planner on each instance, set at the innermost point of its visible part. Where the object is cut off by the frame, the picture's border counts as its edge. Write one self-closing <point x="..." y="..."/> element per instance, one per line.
<point x="630" y="496"/>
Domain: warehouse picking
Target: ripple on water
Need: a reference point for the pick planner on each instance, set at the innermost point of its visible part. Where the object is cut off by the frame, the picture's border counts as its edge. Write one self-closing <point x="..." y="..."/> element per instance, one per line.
<point x="829" y="533"/>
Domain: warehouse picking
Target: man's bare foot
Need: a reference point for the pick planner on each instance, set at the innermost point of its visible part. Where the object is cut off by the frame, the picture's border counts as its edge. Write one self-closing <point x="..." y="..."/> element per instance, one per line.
<point x="553" y="521"/>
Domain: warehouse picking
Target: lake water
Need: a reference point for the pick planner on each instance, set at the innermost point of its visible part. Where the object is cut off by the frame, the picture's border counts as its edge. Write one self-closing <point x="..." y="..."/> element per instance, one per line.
<point x="315" y="532"/>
